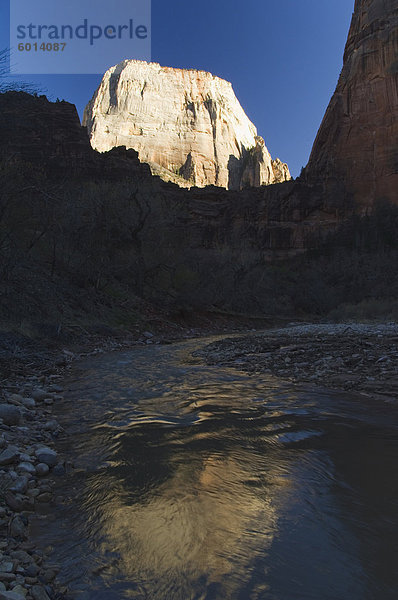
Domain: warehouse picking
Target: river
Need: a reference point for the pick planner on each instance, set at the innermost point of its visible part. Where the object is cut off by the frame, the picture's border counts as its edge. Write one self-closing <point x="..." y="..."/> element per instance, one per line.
<point x="196" y="482"/>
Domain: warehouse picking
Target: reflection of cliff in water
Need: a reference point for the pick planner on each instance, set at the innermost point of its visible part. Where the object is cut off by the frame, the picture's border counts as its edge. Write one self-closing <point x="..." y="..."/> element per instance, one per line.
<point x="196" y="482"/>
<point x="205" y="521"/>
<point x="196" y="524"/>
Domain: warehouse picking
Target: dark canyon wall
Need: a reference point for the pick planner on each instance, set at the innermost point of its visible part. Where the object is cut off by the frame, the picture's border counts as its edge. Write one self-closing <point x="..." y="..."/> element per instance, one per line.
<point x="102" y="220"/>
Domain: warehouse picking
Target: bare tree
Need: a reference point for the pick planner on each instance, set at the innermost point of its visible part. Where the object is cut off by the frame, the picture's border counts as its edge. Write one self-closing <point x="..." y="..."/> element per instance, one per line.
<point x="7" y="82"/>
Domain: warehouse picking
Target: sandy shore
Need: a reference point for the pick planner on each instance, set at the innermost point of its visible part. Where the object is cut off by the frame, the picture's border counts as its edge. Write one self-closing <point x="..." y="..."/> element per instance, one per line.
<point x="352" y="356"/>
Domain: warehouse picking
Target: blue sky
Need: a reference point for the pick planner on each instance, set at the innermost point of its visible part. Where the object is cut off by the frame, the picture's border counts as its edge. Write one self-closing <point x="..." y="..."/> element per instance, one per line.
<point x="283" y="60"/>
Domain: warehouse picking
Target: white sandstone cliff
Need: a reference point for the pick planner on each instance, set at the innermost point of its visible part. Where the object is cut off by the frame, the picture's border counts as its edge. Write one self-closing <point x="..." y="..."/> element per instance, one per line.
<point x="187" y="124"/>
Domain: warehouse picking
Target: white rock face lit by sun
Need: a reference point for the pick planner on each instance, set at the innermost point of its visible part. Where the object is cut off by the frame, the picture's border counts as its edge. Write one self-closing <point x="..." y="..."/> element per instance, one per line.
<point x="187" y="124"/>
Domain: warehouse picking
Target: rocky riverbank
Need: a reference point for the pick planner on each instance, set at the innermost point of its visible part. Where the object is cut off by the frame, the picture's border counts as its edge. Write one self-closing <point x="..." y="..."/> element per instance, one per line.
<point x="31" y="385"/>
<point x="29" y="466"/>
<point x="355" y="356"/>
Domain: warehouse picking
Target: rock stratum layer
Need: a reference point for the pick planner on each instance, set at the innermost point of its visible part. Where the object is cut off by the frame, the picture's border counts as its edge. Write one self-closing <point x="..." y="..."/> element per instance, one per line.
<point x="186" y="124"/>
<point x="358" y="139"/>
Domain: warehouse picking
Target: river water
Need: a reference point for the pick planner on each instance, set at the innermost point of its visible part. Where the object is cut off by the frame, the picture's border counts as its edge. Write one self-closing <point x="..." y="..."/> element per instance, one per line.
<point x="195" y="482"/>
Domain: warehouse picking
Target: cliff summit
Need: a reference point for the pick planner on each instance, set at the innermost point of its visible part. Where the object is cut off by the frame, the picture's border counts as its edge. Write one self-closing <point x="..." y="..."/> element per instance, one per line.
<point x="186" y="124"/>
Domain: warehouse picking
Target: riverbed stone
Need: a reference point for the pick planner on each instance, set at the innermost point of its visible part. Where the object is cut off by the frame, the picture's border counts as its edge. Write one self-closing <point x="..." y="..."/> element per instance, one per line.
<point x="27" y="467"/>
<point x="7" y="577"/>
<point x="15" y="399"/>
<point x="10" y="414"/>
<point x="11" y="595"/>
<point x="42" y="469"/>
<point x="39" y="395"/>
<point x="21" y="556"/>
<point x="18" y="589"/>
<point x="59" y="470"/>
<point x="18" y="529"/>
<point x="28" y="402"/>
<point x="9" y="456"/>
<point x="20" y="484"/>
<point x="49" y="576"/>
<point x="32" y="493"/>
<point x="6" y="566"/>
<point x="45" y="497"/>
<point x="50" y="425"/>
<point x="16" y="502"/>
<point x="47" y="456"/>
<point x="39" y="593"/>
<point x="56" y="388"/>
<point x="32" y="570"/>
<point x="23" y="457"/>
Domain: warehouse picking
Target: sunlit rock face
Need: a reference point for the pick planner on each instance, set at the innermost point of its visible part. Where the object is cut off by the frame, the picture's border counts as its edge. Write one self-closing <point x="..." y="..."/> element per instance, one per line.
<point x="187" y="124"/>
<point x="358" y="139"/>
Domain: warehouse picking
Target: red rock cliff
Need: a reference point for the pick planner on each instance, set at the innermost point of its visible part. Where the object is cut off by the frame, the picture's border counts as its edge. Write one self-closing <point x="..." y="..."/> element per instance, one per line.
<point x="358" y="139"/>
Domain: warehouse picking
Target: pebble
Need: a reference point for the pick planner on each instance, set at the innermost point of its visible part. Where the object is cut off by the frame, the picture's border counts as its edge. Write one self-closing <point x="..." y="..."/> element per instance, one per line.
<point x="32" y="570"/>
<point x="42" y="469"/>
<point x="33" y="493"/>
<point x="6" y="567"/>
<point x="9" y="456"/>
<point x="39" y="593"/>
<point x="39" y="395"/>
<point x="15" y="399"/>
<point x="17" y="503"/>
<point x="22" y="556"/>
<point x="47" y="456"/>
<point x="7" y="577"/>
<point x="23" y="457"/>
<point x="18" y="529"/>
<point x="45" y="498"/>
<point x="56" y="388"/>
<point x="20" y="484"/>
<point x="18" y="589"/>
<point x="27" y="467"/>
<point x="10" y="414"/>
<point x="49" y="576"/>
<point x="11" y="595"/>
<point x="50" y="426"/>
<point x="28" y="402"/>
<point x="59" y="470"/>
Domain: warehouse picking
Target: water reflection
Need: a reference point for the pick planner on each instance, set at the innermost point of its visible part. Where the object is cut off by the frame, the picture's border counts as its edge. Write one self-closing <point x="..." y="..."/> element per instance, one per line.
<point x="197" y="525"/>
<point x="200" y="483"/>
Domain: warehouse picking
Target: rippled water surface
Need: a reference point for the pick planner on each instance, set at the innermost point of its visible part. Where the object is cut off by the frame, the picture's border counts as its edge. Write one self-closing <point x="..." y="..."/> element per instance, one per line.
<point x="197" y="482"/>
